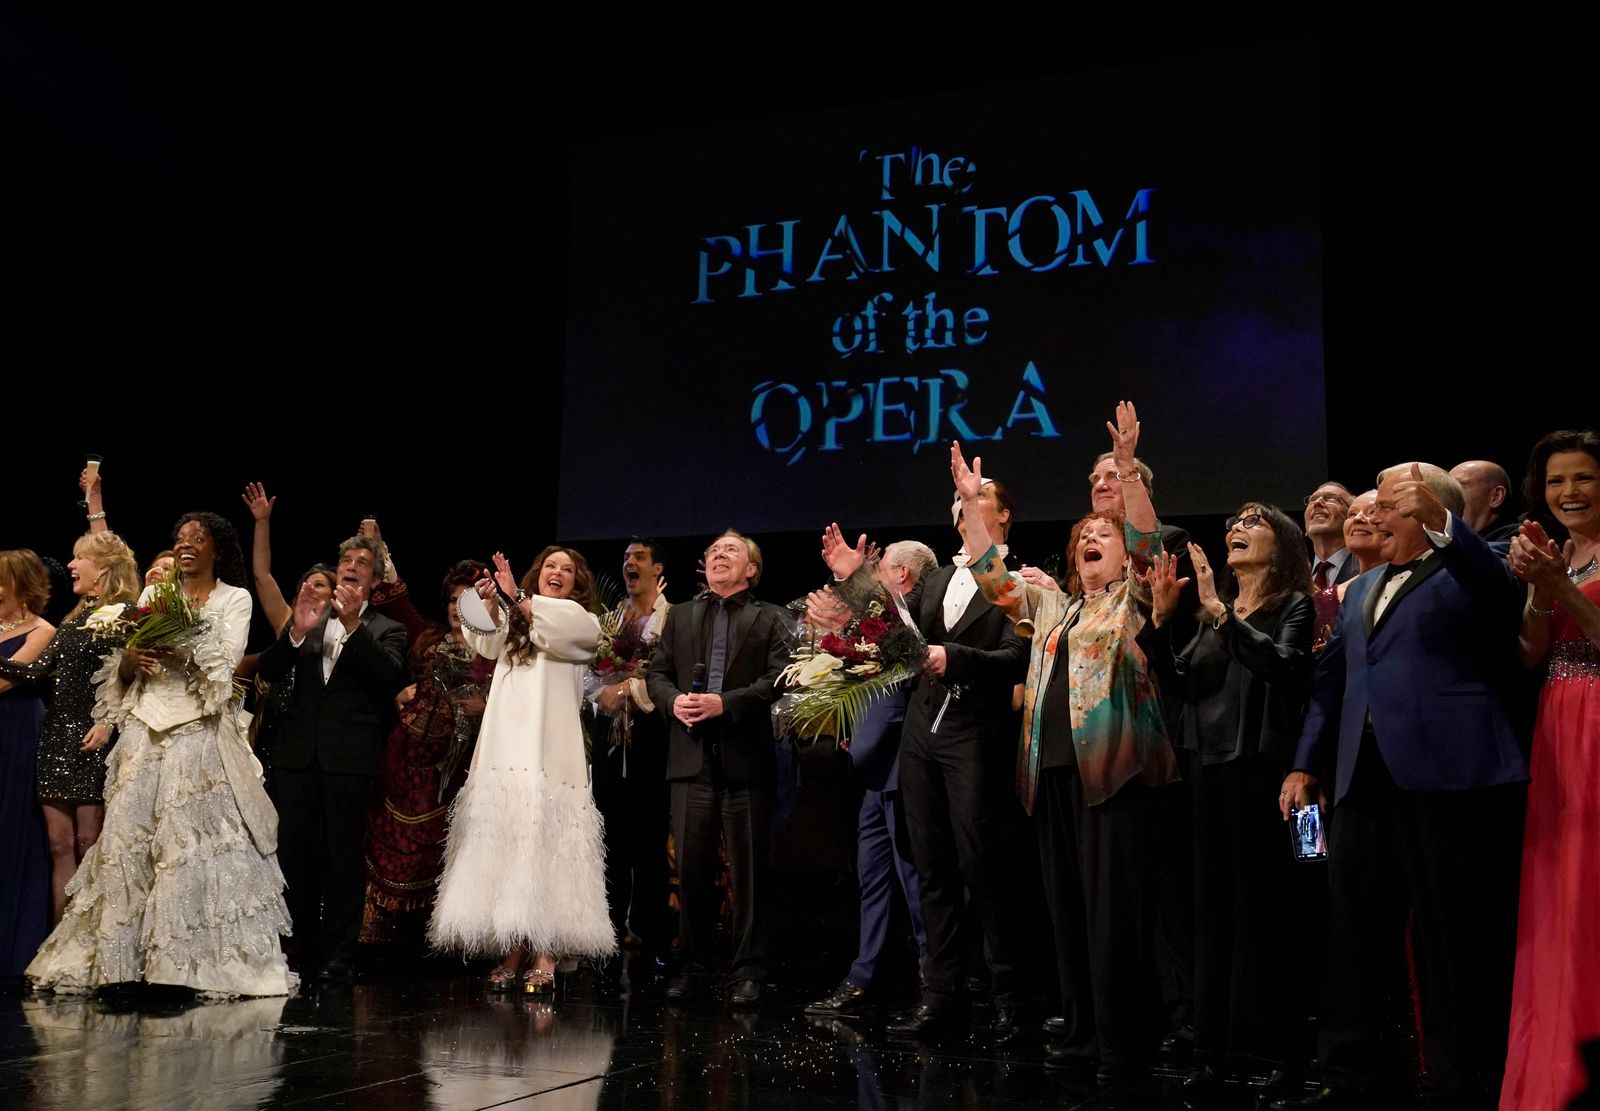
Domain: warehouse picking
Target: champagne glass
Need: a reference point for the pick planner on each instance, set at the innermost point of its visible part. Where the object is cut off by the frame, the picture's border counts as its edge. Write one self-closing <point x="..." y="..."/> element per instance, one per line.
<point x="92" y="466"/>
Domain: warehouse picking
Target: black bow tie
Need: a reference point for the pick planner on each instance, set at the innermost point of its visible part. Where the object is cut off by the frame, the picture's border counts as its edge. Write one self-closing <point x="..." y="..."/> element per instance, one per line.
<point x="731" y="602"/>
<point x="1402" y="568"/>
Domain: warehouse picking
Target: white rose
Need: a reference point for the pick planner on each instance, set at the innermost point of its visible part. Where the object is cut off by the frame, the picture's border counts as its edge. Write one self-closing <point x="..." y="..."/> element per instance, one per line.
<point x="818" y="668"/>
<point x="105" y="618"/>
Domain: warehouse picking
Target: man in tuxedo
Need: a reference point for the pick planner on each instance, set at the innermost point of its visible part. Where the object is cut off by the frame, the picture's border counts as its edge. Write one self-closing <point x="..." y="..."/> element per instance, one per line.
<point x="346" y="661"/>
<point x="713" y="676"/>
<point x="1409" y="722"/>
<point x="883" y="855"/>
<point x="1326" y="509"/>
<point x="957" y="750"/>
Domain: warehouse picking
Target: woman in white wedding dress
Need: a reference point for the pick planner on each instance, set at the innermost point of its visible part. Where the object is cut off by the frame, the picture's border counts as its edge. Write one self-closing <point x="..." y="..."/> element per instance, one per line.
<point x="181" y="888"/>
<point x="524" y="871"/>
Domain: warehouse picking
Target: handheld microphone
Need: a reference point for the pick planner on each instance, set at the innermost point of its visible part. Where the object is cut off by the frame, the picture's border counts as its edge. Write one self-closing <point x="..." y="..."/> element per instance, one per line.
<point x="697" y="685"/>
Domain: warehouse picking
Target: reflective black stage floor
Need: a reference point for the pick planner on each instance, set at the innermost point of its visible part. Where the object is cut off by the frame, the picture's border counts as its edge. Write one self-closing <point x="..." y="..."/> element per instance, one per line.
<point x="437" y="1040"/>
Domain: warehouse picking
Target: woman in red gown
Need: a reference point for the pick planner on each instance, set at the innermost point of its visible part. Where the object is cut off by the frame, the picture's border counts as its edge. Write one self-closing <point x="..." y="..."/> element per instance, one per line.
<point x="1556" y="999"/>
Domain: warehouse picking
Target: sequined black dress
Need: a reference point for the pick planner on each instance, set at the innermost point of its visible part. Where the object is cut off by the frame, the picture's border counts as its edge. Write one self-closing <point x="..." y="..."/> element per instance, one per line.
<point x="66" y="773"/>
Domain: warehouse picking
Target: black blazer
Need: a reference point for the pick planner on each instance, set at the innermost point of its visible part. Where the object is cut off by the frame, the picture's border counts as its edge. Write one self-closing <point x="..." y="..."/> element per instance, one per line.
<point x="1245" y="685"/>
<point x="342" y="724"/>
<point x="758" y="649"/>
<point x="984" y="660"/>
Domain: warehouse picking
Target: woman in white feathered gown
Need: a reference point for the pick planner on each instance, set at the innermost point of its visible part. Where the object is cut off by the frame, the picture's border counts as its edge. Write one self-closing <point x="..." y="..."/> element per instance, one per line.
<point x="524" y="870"/>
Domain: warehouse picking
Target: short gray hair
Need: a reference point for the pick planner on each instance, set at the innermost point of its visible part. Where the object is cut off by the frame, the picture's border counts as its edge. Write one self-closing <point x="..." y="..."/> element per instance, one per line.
<point x="1139" y="465"/>
<point x="379" y="565"/>
<point x="1436" y="479"/>
<point x="915" y="556"/>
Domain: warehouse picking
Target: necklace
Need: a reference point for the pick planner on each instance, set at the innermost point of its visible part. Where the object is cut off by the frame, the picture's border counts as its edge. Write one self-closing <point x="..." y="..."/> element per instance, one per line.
<point x="1579" y="574"/>
<point x="7" y="626"/>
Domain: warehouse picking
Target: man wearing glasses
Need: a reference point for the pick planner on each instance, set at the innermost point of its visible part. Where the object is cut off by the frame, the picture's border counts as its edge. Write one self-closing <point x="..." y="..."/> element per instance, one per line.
<point x="1331" y="563"/>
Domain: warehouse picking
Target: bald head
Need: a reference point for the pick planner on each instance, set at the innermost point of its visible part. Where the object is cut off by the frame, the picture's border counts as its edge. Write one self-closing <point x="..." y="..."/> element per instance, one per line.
<point x="1486" y="487"/>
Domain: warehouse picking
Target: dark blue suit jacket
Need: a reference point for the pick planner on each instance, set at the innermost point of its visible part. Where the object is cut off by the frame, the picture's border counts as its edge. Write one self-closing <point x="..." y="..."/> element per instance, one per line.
<point x="1433" y="674"/>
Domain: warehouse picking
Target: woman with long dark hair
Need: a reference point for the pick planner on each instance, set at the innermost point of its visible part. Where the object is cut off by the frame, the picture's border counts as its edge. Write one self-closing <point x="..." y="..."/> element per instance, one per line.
<point x="524" y="872"/>
<point x="1555" y="1006"/>
<point x="1245" y="677"/>
<point x="182" y="887"/>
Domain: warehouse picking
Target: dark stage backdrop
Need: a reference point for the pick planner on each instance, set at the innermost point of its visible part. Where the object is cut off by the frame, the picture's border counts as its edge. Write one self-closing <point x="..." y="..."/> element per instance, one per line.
<point x="812" y="307"/>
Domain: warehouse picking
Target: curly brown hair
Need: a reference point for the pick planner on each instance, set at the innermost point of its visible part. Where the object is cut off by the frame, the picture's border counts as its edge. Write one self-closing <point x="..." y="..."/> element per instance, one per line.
<point x="518" y="645"/>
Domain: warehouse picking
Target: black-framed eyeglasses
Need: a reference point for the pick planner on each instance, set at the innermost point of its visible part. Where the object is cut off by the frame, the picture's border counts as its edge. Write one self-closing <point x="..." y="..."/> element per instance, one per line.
<point x="1249" y="520"/>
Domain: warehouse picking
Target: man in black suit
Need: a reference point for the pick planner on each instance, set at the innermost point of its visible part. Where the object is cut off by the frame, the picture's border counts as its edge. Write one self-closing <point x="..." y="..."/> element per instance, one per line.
<point x="346" y="661"/>
<point x="957" y="748"/>
<point x="1331" y="562"/>
<point x="714" y="677"/>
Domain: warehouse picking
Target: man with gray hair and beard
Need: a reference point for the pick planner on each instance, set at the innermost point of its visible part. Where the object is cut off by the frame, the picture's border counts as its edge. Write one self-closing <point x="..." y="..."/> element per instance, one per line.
<point x="882" y="853"/>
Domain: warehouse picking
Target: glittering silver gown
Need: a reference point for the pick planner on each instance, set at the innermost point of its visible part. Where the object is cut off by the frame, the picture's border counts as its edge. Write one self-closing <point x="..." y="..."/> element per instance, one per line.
<point x="178" y="889"/>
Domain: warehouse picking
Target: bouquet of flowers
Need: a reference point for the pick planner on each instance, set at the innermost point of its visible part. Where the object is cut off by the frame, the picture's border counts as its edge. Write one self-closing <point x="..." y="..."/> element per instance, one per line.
<point x="834" y="679"/>
<point x="623" y="657"/>
<point x="169" y="619"/>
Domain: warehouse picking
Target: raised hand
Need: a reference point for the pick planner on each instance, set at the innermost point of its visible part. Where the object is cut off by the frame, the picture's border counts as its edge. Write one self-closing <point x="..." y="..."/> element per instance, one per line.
<point x="841" y="558"/>
<point x="308" y="610"/>
<point x="1124" y="436"/>
<point x="347" y="601"/>
<point x="502" y="574"/>
<point x="1413" y="499"/>
<point x="825" y="612"/>
<point x="256" y="500"/>
<point x="1205" y="581"/>
<point x="83" y="480"/>
<point x="968" y="480"/>
<point x="1165" y="587"/>
<point x="1034" y="576"/>
<point x="1543" y="565"/>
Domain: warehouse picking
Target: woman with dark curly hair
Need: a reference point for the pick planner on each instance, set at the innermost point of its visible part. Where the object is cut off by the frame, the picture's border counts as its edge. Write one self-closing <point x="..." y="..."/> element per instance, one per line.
<point x="524" y="871"/>
<point x="1245" y="678"/>
<point x="182" y="887"/>
<point x="424" y="766"/>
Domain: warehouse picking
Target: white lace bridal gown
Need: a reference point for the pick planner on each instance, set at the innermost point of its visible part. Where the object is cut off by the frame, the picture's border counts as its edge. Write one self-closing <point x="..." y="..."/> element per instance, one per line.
<point x="177" y="890"/>
<point x="525" y="855"/>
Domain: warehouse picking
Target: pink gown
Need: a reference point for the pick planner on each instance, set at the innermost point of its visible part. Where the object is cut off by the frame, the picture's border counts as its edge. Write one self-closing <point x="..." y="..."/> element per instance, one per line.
<point x="1555" y="1003"/>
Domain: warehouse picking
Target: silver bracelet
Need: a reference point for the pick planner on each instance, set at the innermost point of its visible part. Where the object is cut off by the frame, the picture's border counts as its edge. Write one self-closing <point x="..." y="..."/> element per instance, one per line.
<point x="100" y="516"/>
<point x="1537" y="612"/>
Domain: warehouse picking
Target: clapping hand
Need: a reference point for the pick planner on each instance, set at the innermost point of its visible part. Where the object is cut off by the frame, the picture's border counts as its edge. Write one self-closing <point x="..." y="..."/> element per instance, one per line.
<point x="1206" y="582"/>
<point x="825" y="612"/>
<point x="1535" y="558"/>
<point x="1034" y="576"/>
<point x="308" y="610"/>
<point x="1165" y="587"/>
<point x="503" y="577"/>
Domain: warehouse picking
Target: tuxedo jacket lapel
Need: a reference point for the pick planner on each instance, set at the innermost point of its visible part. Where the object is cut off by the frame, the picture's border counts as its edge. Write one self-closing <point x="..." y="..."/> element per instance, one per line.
<point x="977" y="606"/>
<point x="1430" y="566"/>
<point x="930" y="608"/>
<point x="744" y="618"/>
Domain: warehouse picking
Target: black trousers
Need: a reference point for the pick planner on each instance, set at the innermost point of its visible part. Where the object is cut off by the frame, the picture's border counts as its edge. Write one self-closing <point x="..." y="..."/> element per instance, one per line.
<point x="322" y="829"/>
<point x="1253" y="902"/>
<point x="958" y="814"/>
<point x="1100" y="884"/>
<point x="1453" y="856"/>
<point x="632" y="796"/>
<point x="1175" y="925"/>
<point x="702" y="808"/>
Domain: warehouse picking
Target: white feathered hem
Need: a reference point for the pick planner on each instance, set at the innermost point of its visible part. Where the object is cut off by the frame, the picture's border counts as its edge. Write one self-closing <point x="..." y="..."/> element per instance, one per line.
<point x="524" y="864"/>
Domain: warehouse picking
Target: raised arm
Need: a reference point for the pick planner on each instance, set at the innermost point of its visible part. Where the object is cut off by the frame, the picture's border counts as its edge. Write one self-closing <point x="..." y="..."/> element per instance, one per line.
<point x="94" y="499"/>
<point x="1136" y="503"/>
<point x="274" y="607"/>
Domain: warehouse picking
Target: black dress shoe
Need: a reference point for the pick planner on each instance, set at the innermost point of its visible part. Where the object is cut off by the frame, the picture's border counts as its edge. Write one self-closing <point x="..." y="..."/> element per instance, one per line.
<point x="1003" y="1028"/>
<point x="1055" y="1027"/>
<point x="336" y="971"/>
<point x="926" y="1022"/>
<point x="1179" y="1044"/>
<point x="686" y="989"/>
<point x="845" y="1000"/>
<point x="745" y="993"/>
<point x="1070" y="1060"/>
<point x="1323" y="1097"/>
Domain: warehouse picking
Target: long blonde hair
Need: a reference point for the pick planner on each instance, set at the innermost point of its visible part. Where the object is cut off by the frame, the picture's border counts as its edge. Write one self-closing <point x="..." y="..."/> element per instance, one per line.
<point x="114" y="557"/>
